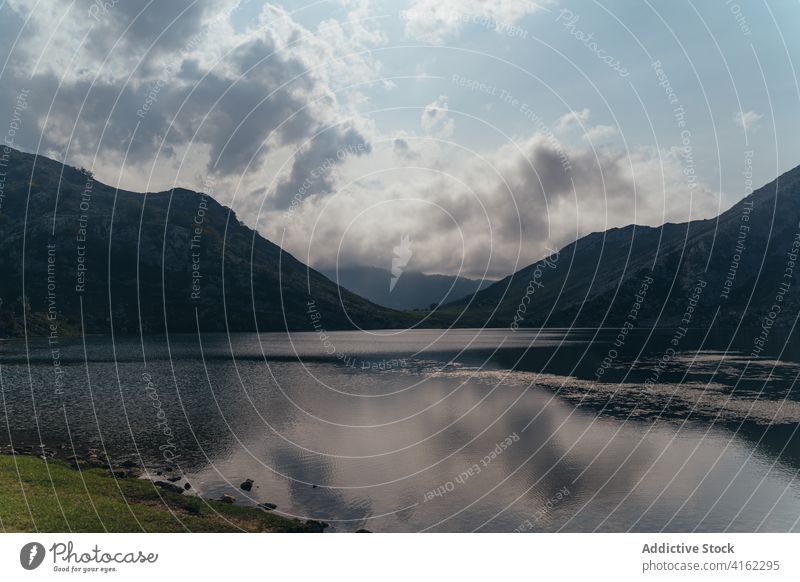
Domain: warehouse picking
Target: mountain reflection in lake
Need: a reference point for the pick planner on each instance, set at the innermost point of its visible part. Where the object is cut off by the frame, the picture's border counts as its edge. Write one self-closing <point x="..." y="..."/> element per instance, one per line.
<point x="440" y="431"/>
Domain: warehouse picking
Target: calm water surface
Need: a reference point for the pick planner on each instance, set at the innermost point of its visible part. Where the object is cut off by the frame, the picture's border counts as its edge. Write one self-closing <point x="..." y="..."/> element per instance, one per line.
<point x="441" y="431"/>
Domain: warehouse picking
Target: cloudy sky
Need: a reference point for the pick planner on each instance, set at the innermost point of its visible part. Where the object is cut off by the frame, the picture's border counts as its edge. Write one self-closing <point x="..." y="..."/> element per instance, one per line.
<point x="487" y="132"/>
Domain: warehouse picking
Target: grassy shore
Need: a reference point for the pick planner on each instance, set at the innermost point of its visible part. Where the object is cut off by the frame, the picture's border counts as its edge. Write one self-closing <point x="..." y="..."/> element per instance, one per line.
<point x="51" y="496"/>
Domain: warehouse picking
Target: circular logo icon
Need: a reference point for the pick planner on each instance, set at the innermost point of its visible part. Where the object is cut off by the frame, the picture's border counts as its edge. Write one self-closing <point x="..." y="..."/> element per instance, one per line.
<point x="31" y="555"/>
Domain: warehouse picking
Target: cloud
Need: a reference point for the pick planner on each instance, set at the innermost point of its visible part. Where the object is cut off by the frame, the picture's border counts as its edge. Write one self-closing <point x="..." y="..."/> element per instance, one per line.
<point x="436" y="118"/>
<point x="747" y="120"/>
<point x="271" y="108"/>
<point x="312" y="169"/>
<point x="403" y="150"/>
<point x="572" y="119"/>
<point x="78" y="39"/>
<point x="600" y="133"/>
<point x="436" y="21"/>
<point x="578" y="121"/>
<point x="174" y="91"/>
<point x="495" y="212"/>
<point x="401" y="147"/>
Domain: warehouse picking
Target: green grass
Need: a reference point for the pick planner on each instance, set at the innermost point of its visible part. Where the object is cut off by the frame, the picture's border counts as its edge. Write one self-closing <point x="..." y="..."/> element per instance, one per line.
<point x="39" y="496"/>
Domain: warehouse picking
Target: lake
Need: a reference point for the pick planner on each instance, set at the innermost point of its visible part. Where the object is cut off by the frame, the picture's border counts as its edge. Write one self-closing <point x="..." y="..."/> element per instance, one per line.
<point x="433" y="430"/>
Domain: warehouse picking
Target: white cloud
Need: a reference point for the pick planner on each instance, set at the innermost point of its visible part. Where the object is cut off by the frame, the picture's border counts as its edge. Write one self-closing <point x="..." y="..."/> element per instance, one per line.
<point x="219" y="99"/>
<point x="436" y="21"/>
<point x="572" y="119"/>
<point x="436" y="118"/>
<point x="493" y="212"/>
<point x="600" y="133"/>
<point x="747" y="120"/>
<point x="578" y="121"/>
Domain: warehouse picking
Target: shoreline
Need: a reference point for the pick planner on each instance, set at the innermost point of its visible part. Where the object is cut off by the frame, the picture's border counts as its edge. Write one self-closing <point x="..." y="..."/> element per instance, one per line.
<point x="41" y="491"/>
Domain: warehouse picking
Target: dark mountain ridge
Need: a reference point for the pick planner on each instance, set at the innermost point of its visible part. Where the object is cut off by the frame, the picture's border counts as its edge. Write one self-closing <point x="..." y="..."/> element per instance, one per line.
<point x="730" y="270"/>
<point x="88" y="256"/>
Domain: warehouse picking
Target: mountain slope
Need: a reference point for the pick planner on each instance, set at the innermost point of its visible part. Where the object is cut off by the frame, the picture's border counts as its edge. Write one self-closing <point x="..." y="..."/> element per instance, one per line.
<point x="726" y="270"/>
<point x="152" y="260"/>
<point x="413" y="290"/>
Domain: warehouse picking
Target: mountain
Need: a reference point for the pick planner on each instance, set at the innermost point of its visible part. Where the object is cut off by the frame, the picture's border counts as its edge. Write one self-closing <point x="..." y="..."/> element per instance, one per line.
<point x="83" y="256"/>
<point x="88" y="256"/>
<point x="413" y="290"/>
<point x="737" y="268"/>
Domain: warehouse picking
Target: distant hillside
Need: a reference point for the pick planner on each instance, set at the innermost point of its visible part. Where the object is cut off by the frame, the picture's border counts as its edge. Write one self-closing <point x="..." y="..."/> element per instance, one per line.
<point x="151" y="260"/>
<point x="741" y="266"/>
<point x="413" y="290"/>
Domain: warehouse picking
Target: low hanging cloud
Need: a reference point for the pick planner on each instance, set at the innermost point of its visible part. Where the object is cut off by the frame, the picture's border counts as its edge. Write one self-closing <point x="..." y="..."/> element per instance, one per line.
<point x="492" y="215"/>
